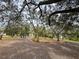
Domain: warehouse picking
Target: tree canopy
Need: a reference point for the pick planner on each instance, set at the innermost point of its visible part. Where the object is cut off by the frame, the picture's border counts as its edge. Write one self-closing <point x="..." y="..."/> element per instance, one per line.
<point x="59" y="15"/>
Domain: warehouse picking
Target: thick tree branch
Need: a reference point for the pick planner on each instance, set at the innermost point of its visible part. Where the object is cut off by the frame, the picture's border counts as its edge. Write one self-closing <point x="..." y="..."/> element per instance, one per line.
<point x="49" y="2"/>
<point x="66" y="11"/>
<point x="25" y="3"/>
<point x="63" y="11"/>
<point x="1" y="10"/>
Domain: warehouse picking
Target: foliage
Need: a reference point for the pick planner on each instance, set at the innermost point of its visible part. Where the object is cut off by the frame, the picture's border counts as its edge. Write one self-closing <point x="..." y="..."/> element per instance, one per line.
<point x="17" y="30"/>
<point x="12" y="31"/>
<point x="61" y="17"/>
<point x="24" y="31"/>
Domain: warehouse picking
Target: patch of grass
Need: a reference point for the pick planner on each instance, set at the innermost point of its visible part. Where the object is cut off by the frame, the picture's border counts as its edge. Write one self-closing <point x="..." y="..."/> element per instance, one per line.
<point x="7" y="37"/>
<point x="67" y="40"/>
<point x="44" y="39"/>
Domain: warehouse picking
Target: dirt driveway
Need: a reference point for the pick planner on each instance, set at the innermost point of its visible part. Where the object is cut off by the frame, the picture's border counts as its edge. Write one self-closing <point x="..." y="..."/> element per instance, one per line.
<point x="26" y="49"/>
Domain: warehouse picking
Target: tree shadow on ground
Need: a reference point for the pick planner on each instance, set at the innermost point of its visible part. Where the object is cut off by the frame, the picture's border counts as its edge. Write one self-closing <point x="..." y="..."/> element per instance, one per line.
<point x="67" y="49"/>
<point x="24" y="50"/>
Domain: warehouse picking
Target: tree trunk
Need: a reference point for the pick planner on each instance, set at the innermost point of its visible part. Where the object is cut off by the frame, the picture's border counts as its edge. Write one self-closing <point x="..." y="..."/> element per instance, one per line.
<point x="58" y="39"/>
<point x="0" y="37"/>
<point x="36" y="39"/>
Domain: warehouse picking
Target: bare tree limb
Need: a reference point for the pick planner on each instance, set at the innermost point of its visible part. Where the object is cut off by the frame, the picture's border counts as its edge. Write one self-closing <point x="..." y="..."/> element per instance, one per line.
<point x="1" y="10"/>
<point x="66" y="11"/>
<point x="63" y="11"/>
<point x="25" y="3"/>
<point x="49" y="2"/>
